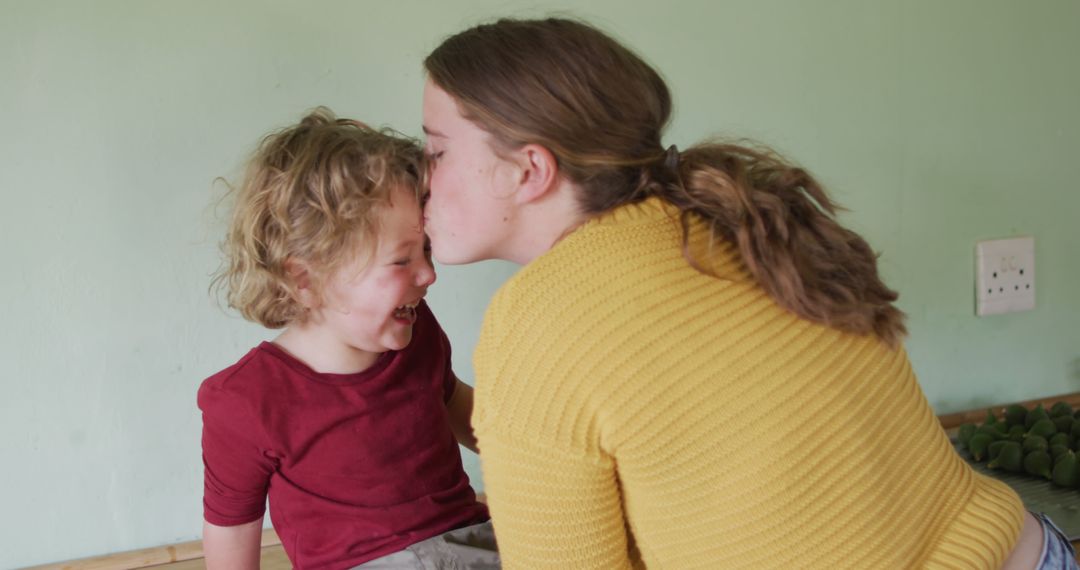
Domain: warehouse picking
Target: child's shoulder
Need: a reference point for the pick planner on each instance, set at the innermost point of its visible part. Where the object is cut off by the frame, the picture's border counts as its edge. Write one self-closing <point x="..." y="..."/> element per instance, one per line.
<point x="224" y="376"/>
<point x="241" y="378"/>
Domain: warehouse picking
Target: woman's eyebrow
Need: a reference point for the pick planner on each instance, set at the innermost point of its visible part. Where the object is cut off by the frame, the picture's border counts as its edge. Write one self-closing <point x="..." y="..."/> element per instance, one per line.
<point x="432" y="132"/>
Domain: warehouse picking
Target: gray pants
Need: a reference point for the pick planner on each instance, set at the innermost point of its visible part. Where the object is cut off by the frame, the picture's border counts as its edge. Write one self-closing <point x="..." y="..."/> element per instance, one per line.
<point x="468" y="548"/>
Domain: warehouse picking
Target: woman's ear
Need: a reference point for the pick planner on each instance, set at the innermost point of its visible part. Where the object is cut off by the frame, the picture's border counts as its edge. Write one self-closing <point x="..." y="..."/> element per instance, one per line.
<point x="538" y="174"/>
<point x="300" y="278"/>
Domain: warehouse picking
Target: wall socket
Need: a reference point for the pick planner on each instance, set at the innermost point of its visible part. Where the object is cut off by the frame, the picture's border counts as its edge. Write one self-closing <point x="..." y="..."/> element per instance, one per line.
<point x="1004" y="276"/>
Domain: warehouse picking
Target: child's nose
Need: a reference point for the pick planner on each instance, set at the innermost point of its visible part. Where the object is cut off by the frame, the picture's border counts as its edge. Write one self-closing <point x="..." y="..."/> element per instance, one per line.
<point x="425" y="276"/>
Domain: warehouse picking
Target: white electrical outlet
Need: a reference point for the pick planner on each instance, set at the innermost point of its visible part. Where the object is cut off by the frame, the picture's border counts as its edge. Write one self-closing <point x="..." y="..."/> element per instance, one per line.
<point x="1004" y="276"/>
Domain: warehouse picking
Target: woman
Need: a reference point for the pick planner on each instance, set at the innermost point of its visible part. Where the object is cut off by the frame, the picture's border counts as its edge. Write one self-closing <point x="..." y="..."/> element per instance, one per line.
<point x="697" y="367"/>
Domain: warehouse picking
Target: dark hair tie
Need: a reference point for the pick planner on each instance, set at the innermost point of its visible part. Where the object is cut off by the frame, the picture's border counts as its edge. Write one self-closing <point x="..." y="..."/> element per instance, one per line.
<point x="658" y="175"/>
<point x="671" y="161"/>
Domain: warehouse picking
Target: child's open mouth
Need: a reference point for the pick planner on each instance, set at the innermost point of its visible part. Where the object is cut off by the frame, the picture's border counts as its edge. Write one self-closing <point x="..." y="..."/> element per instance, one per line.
<point x="407" y="312"/>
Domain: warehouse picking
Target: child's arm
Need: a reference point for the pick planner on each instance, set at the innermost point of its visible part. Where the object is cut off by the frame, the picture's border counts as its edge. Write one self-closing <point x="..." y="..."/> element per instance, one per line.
<point x="236" y="474"/>
<point x="459" y="409"/>
<point x="232" y="547"/>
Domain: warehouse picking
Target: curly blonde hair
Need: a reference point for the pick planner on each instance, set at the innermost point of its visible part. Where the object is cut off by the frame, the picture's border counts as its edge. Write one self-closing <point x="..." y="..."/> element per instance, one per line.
<point x="311" y="193"/>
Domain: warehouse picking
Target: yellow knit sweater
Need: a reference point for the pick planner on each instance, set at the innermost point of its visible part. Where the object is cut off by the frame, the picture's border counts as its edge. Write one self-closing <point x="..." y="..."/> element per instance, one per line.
<point x="632" y="412"/>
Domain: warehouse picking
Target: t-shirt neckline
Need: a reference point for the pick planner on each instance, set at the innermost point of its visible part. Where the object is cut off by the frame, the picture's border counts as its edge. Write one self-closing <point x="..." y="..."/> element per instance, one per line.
<point x="381" y="362"/>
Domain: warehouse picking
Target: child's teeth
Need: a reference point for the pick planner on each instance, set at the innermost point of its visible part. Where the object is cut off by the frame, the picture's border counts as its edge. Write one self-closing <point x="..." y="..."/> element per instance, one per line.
<point x="406" y="309"/>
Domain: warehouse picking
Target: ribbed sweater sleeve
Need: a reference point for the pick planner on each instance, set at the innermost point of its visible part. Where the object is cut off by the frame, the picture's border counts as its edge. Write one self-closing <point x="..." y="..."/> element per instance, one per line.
<point x="557" y="509"/>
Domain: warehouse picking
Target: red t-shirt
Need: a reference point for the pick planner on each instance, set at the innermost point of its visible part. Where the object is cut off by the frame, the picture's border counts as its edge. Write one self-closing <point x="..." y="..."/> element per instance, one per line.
<point x="356" y="466"/>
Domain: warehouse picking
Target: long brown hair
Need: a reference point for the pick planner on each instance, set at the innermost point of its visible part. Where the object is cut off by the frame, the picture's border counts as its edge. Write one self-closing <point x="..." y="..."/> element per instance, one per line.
<point x="601" y="110"/>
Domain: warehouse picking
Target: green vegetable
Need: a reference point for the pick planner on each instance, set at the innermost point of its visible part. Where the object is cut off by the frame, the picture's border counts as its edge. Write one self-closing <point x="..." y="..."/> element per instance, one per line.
<point x="1061" y="409"/>
<point x="1035" y="443"/>
<point x="1060" y="438"/>
<point x="1064" y="424"/>
<point x="1044" y="427"/>
<point x="1037" y="463"/>
<point x="1057" y="451"/>
<point x="991" y="431"/>
<point x="964" y="433"/>
<point x="1015" y="415"/>
<point x="1010" y="458"/>
<point x="1035" y="415"/>
<point x="994" y="449"/>
<point x="979" y="444"/>
<point x="1066" y="472"/>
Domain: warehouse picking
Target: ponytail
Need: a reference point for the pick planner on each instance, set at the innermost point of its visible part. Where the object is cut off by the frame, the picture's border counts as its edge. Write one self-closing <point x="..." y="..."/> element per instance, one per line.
<point x="783" y="224"/>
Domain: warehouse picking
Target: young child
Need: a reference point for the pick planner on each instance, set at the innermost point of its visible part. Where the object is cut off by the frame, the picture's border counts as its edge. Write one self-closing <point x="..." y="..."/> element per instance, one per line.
<point x="349" y="421"/>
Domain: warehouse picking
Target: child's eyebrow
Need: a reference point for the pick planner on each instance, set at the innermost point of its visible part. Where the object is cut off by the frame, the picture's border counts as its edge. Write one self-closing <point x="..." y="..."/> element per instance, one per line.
<point x="404" y="245"/>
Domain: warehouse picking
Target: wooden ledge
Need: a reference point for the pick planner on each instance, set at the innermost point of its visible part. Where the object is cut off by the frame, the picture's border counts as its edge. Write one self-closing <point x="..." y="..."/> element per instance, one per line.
<point x="978" y="416"/>
<point x="145" y="557"/>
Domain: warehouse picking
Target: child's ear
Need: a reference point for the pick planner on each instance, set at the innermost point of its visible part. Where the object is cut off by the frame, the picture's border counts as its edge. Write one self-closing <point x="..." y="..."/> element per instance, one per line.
<point x="539" y="174"/>
<point x="298" y="274"/>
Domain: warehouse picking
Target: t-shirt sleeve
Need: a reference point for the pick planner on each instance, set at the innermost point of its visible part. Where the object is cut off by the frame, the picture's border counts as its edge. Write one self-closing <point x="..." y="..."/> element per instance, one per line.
<point x="236" y="466"/>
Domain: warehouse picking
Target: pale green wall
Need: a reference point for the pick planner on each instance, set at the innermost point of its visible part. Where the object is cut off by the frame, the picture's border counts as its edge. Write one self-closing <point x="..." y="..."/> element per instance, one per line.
<point x="937" y="123"/>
